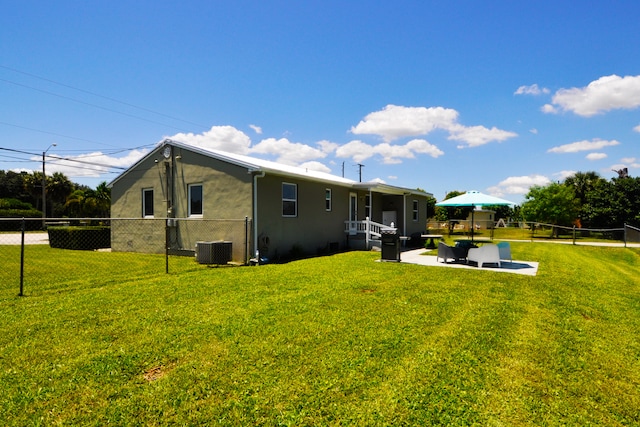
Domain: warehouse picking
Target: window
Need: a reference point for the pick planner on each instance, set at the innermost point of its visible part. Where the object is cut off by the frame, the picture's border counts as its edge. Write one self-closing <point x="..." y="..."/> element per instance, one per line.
<point x="147" y="203"/>
<point x="195" y="200"/>
<point x="415" y="210"/>
<point x="289" y="199"/>
<point x="327" y="199"/>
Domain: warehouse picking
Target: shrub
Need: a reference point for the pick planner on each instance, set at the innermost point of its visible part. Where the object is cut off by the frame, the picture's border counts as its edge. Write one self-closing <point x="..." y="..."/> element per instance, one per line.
<point x="79" y="238"/>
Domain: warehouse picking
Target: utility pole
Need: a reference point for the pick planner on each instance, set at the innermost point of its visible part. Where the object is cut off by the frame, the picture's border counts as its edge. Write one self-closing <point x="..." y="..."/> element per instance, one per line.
<point x="360" y="166"/>
<point x="44" y="187"/>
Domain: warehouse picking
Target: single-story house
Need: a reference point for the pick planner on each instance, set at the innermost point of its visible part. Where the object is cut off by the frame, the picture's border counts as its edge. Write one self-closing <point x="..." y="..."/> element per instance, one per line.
<point x="482" y="219"/>
<point x="278" y="207"/>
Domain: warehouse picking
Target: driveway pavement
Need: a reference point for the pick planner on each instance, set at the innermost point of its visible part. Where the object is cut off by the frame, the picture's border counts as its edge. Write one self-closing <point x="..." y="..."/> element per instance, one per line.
<point x="39" y="238"/>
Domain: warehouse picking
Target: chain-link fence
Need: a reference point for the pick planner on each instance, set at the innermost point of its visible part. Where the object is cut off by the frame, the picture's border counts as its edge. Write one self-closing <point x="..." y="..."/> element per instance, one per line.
<point x="503" y="230"/>
<point x="163" y="243"/>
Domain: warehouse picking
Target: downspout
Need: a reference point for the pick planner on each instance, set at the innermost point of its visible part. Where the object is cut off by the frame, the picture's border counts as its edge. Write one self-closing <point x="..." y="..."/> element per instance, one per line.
<point x="261" y="174"/>
<point x="404" y="214"/>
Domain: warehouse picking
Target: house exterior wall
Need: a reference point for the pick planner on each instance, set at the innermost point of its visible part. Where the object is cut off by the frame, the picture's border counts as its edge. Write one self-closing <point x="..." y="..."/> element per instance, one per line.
<point x="313" y="230"/>
<point x="227" y="195"/>
<point x="483" y="219"/>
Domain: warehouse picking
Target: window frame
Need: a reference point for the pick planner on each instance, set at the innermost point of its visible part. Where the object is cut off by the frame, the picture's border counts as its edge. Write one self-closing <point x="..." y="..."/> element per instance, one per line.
<point x="146" y="191"/>
<point x="287" y="200"/>
<point x="416" y="210"/>
<point x="328" y="204"/>
<point x="190" y="212"/>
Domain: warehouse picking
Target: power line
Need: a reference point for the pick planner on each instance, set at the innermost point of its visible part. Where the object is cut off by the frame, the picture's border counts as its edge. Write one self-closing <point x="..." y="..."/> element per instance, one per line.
<point x="92" y="105"/>
<point x="101" y="96"/>
<point x="48" y="133"/>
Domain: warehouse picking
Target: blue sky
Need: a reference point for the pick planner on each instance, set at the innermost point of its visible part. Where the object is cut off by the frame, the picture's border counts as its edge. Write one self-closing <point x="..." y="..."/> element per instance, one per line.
<point x="493" y="96"/>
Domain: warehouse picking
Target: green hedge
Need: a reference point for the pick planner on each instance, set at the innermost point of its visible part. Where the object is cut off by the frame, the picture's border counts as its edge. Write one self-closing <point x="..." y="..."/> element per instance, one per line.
<point x="79" y="238"/>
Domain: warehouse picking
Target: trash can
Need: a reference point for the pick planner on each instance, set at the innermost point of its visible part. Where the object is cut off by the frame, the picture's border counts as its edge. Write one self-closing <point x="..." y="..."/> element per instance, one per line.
<point x="390" y="244"/>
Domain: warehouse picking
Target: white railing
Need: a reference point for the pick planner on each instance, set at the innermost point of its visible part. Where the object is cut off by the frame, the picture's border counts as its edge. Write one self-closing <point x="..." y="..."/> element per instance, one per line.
<point x="370" y="229"/>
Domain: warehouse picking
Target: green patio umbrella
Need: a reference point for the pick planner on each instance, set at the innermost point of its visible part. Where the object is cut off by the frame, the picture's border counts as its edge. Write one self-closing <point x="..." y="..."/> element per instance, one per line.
<point x="473" y="199"/>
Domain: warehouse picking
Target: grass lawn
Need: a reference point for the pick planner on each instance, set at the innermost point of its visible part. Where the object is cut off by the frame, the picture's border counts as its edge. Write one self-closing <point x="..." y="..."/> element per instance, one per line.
<point x="108" y="338"/>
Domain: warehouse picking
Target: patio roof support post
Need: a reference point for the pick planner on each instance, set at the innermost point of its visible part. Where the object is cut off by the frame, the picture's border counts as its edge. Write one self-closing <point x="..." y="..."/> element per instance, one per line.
<point x="367" y="232"/>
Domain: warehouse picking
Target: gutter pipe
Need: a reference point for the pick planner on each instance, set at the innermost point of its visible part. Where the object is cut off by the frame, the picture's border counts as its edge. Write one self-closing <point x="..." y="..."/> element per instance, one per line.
<point x="257" y="175"/>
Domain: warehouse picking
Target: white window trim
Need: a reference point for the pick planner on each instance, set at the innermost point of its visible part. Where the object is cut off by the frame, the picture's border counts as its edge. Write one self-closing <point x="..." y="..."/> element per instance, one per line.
<point x="189" y="187"/>
<point x="416" y="210"/>
<point x="144" y="202"/>
<point x="295" y="200"/>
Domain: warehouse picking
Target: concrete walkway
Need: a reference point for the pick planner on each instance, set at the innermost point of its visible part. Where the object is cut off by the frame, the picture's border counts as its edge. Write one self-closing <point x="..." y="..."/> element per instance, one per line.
<point x="528" y="268"/>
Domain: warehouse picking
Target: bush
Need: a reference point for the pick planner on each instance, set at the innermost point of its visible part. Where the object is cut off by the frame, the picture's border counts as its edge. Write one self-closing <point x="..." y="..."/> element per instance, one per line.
<point x="79" y="238"/>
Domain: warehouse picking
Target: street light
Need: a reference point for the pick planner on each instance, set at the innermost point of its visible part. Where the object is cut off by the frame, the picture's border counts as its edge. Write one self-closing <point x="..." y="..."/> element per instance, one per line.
<point x="44" y="186"/>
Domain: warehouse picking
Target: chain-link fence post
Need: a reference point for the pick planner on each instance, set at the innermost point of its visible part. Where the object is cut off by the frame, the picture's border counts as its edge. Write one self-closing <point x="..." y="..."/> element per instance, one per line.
<point x="22" y="259"/>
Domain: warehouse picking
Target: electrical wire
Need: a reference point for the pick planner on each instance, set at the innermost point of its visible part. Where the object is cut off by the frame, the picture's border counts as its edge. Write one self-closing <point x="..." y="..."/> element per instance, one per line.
<point x="100" y="96"/>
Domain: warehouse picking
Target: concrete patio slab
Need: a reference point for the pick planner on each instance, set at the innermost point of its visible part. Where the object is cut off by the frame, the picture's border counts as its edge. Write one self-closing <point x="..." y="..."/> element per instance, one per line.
<point x="528" y="268"/>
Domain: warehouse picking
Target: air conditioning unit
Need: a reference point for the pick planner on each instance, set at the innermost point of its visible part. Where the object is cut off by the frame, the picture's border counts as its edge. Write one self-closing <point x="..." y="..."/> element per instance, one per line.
<point x="213" y="252"/>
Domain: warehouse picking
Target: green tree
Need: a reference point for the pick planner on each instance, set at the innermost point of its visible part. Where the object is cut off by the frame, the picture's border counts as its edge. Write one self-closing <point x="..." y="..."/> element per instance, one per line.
<point x="99" y="200"/>
<point x="59" y="187"/>
<point x="554" y="204"/>
<point x="74" y="206"/>
<point x="583" y="185"/>
<point x="614" y="203"/>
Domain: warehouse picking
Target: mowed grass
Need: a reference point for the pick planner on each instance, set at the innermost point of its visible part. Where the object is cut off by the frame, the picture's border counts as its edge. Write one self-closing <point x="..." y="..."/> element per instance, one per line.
<point x="107" y="338"/>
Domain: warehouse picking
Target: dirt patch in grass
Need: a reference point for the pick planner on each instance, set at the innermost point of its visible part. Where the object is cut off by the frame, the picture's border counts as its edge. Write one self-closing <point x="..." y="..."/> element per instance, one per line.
<point x="155" y="373"/>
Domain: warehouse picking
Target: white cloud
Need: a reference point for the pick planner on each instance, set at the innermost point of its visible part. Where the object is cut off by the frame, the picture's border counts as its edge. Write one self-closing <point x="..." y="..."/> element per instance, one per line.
<point x="596" y="156"/>
<point x="316" y="166"/>
<point x="356" y="149"/>
<point x="531" y="90"/>
<point x="290" y="153"/>
<point x="549" y="109"/>
<point x="396" y="121"/>
<point x="602" y="95"/>
<point x="562" y="175"/>
<point x="518" y="185"/>
<point x="574" y="147"/>
<point x="390" y="153"/>
<point x="225" y="138"/>
<point x="627" y="162"/>
<point x="475" y="136"/>
<point x="256" y="129"/>
<point x="637" y="128"/>
<point x="424" y="147"/>
<point x="327" y="146"/>
<point x="534" y="131"/>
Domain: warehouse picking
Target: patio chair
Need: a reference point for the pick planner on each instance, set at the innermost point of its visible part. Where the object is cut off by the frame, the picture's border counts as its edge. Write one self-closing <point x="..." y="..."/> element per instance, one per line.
<point x="504" y="248"/>
<point x="487" y="254"/>
<point x="450" y="252"/>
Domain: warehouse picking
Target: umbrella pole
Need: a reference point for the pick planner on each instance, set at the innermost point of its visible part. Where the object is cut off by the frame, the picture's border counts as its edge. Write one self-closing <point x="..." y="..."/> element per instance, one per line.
<point x="473" y="226"/>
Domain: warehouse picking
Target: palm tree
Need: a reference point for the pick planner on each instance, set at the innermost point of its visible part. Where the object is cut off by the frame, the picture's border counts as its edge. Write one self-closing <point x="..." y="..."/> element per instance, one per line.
<point x="101" y="199"/>
<point x="583" y="184"/>
<point x="75" y="204"/>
